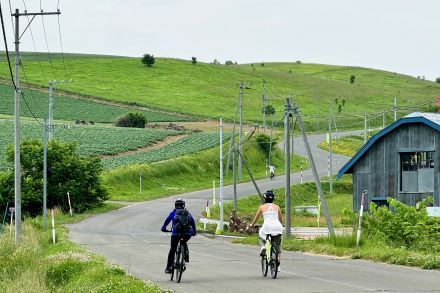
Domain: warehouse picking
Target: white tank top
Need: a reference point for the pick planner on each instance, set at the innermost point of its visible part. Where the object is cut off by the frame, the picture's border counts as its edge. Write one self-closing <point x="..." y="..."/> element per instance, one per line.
<point x="271" y="223"/>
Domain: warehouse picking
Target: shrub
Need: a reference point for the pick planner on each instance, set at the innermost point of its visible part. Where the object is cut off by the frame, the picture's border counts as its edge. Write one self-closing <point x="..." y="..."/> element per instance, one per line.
<point x="405" y="226"/>
<point x="148" y="60"/>
<point x="270" y="110"/>
<point x="193" y="60"/>
<point x="264" y="143"/>
<point x="67" y="172"/>
<point x="352" y="78"/>
<point x="229" y="62"/>
<point x="135" y="120"/>
<point x="437" y="80"/>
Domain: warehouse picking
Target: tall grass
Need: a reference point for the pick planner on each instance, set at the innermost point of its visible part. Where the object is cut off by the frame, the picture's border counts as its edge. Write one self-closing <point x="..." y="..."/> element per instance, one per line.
<point x="37" y="265"/>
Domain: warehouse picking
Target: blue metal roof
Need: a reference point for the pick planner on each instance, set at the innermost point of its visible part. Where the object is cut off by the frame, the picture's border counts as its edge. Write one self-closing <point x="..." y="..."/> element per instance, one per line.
<point x="429" y="119"/>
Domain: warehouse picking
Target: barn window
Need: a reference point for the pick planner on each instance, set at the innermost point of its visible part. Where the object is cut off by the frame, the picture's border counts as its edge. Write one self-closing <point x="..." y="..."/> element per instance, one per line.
<point x="417" y="172"/>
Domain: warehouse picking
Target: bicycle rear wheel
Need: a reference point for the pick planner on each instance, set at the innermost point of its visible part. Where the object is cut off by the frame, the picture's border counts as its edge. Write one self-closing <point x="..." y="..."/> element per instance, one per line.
<point x="273" y="263"/>
<point x="180" y="263"/>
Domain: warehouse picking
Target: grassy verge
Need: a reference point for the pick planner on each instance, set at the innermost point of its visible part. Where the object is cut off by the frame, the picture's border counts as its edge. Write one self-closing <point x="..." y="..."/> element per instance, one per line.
<point x="370" y="249"/>
<point x="186" y="173"/>
<point x="37" y="265"/>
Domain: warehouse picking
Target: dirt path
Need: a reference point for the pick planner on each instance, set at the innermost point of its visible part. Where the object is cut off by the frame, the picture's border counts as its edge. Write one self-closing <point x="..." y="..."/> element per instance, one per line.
<point x="159" y="144"/>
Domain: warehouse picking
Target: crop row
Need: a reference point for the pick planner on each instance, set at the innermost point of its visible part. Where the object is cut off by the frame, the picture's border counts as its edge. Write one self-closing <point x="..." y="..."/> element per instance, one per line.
<point x="188" y="145"/>
<point x="91" y="140"/>
<point x="72" y="109"/>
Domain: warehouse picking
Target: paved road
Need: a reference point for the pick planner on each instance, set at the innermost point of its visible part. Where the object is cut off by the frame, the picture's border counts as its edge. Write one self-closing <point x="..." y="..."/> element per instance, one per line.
<point x="130" y="237"/>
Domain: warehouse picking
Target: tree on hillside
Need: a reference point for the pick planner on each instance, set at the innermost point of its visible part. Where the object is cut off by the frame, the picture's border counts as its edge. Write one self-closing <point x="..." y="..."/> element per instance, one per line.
<point x="352" y="78"/>
<point x="193" y="60"/>
<point x="437" y="80"/>
<point x="67" y="172"/>
<point x="148" y="60"/>
<point x="270" y="110"/>
<point x="135" y="120"/>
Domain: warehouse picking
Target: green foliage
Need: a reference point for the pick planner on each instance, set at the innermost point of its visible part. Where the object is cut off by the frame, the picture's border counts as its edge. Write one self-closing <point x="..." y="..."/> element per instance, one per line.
<point x="229" y="62"/>
<point x="405" y="226"/>
<point x="135" y="120"/>
<point x="352" y="78"/>
<point x="148" y="60"/>
<point x="437" y="80"/>
<point x="270" y="109"/>
<point x="67" y="172"/>
<point x="264" y="143"/>
<point x="193" y="60"/>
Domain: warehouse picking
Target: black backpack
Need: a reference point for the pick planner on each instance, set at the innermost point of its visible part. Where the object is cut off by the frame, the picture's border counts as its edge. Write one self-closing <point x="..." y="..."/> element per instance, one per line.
<point x="182" y="221"/>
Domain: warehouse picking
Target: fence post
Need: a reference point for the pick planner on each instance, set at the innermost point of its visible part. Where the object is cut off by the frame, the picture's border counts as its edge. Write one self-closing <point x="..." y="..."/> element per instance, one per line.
<point x="53" y="225"/>
<point x="361" y="212"/>
<point x="70" y="205"/>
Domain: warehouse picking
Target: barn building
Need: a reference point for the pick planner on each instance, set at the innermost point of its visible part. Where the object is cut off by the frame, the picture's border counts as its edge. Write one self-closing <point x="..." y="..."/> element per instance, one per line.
<point x="401" y="161"/>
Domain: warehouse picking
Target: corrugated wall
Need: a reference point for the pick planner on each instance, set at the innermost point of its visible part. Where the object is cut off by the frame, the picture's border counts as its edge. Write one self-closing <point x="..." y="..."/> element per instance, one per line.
<point x="378" y="171"/>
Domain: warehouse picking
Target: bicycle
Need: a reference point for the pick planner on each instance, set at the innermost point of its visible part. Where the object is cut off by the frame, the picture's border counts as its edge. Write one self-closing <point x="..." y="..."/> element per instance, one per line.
<point x="270" y="259"/>
<point x="179" y="264"/>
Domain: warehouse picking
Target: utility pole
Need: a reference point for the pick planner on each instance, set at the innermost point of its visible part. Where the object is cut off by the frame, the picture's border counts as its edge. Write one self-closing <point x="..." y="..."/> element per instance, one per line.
<point x="395" y="109"/>
<point x="221" y="175"/>
<point x="45" y="174"/>
<point x="287" y="115"/>
<point x="383" y="120"/>
<point x="51" y="85"/>
<point x="315" y="173"/>
<point x="263" y="100"/>
<point x="17" y="164"/>
<point x="240" y="139"/>
<point x="234" y="175"/>
<point x="330" y="153"/>
<point x="365" y="127"/>
<point x="270" y="143"/>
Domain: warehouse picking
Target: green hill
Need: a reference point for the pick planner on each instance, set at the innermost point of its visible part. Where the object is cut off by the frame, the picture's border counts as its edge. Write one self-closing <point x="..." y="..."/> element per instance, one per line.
<point x="211" y="91"/>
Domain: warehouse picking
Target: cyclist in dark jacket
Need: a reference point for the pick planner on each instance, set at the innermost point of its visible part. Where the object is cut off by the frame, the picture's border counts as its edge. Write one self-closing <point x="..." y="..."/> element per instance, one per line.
<point x="175" y="235"/>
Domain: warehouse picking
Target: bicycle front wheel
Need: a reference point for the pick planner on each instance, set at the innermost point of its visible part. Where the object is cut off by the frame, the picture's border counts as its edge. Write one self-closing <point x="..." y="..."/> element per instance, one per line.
<point x="264" y="265"/>
<point x="273" y="263"/>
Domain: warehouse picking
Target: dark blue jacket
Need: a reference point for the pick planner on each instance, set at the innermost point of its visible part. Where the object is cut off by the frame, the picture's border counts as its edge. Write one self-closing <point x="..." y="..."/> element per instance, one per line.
<point x="171" y="216"/>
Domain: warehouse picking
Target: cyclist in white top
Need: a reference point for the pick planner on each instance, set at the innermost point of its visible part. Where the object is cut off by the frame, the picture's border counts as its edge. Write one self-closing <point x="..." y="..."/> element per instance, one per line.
<point x="273" y="223"/>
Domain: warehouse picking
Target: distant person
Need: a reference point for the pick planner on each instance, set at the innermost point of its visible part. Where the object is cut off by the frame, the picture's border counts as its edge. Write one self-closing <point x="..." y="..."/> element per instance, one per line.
<point x="273" y="223"/>
<point x="183" y="225"/>
<point x="272" y="171"/>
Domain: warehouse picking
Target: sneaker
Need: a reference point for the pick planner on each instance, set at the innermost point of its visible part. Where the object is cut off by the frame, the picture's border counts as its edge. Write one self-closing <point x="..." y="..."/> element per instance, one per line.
<point x="186" y="257"/>
<point x="263" y="251"/>
<point x="168" y="270"/>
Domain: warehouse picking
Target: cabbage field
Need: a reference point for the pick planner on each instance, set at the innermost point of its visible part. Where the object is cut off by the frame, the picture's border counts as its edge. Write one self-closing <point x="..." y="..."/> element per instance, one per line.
<point x="71" y="109"/>
<point x="188" y="145"/>
<point x="91" y="139"/>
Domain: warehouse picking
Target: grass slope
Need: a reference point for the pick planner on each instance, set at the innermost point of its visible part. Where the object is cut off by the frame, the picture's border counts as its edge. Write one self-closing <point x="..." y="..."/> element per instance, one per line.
<point x="69" y="108"/>
<point x="186" y="173"/>
<point x="210" y="90"/>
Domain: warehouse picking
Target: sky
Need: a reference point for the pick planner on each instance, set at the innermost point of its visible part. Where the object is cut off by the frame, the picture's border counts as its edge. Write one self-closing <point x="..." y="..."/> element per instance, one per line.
<point x="394" y="35"/>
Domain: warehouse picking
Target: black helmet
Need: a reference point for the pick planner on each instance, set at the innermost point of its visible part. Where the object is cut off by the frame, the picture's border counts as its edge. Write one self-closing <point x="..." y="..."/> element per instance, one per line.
<point x="179" y="203"/>
<point x="269" y="196"/>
